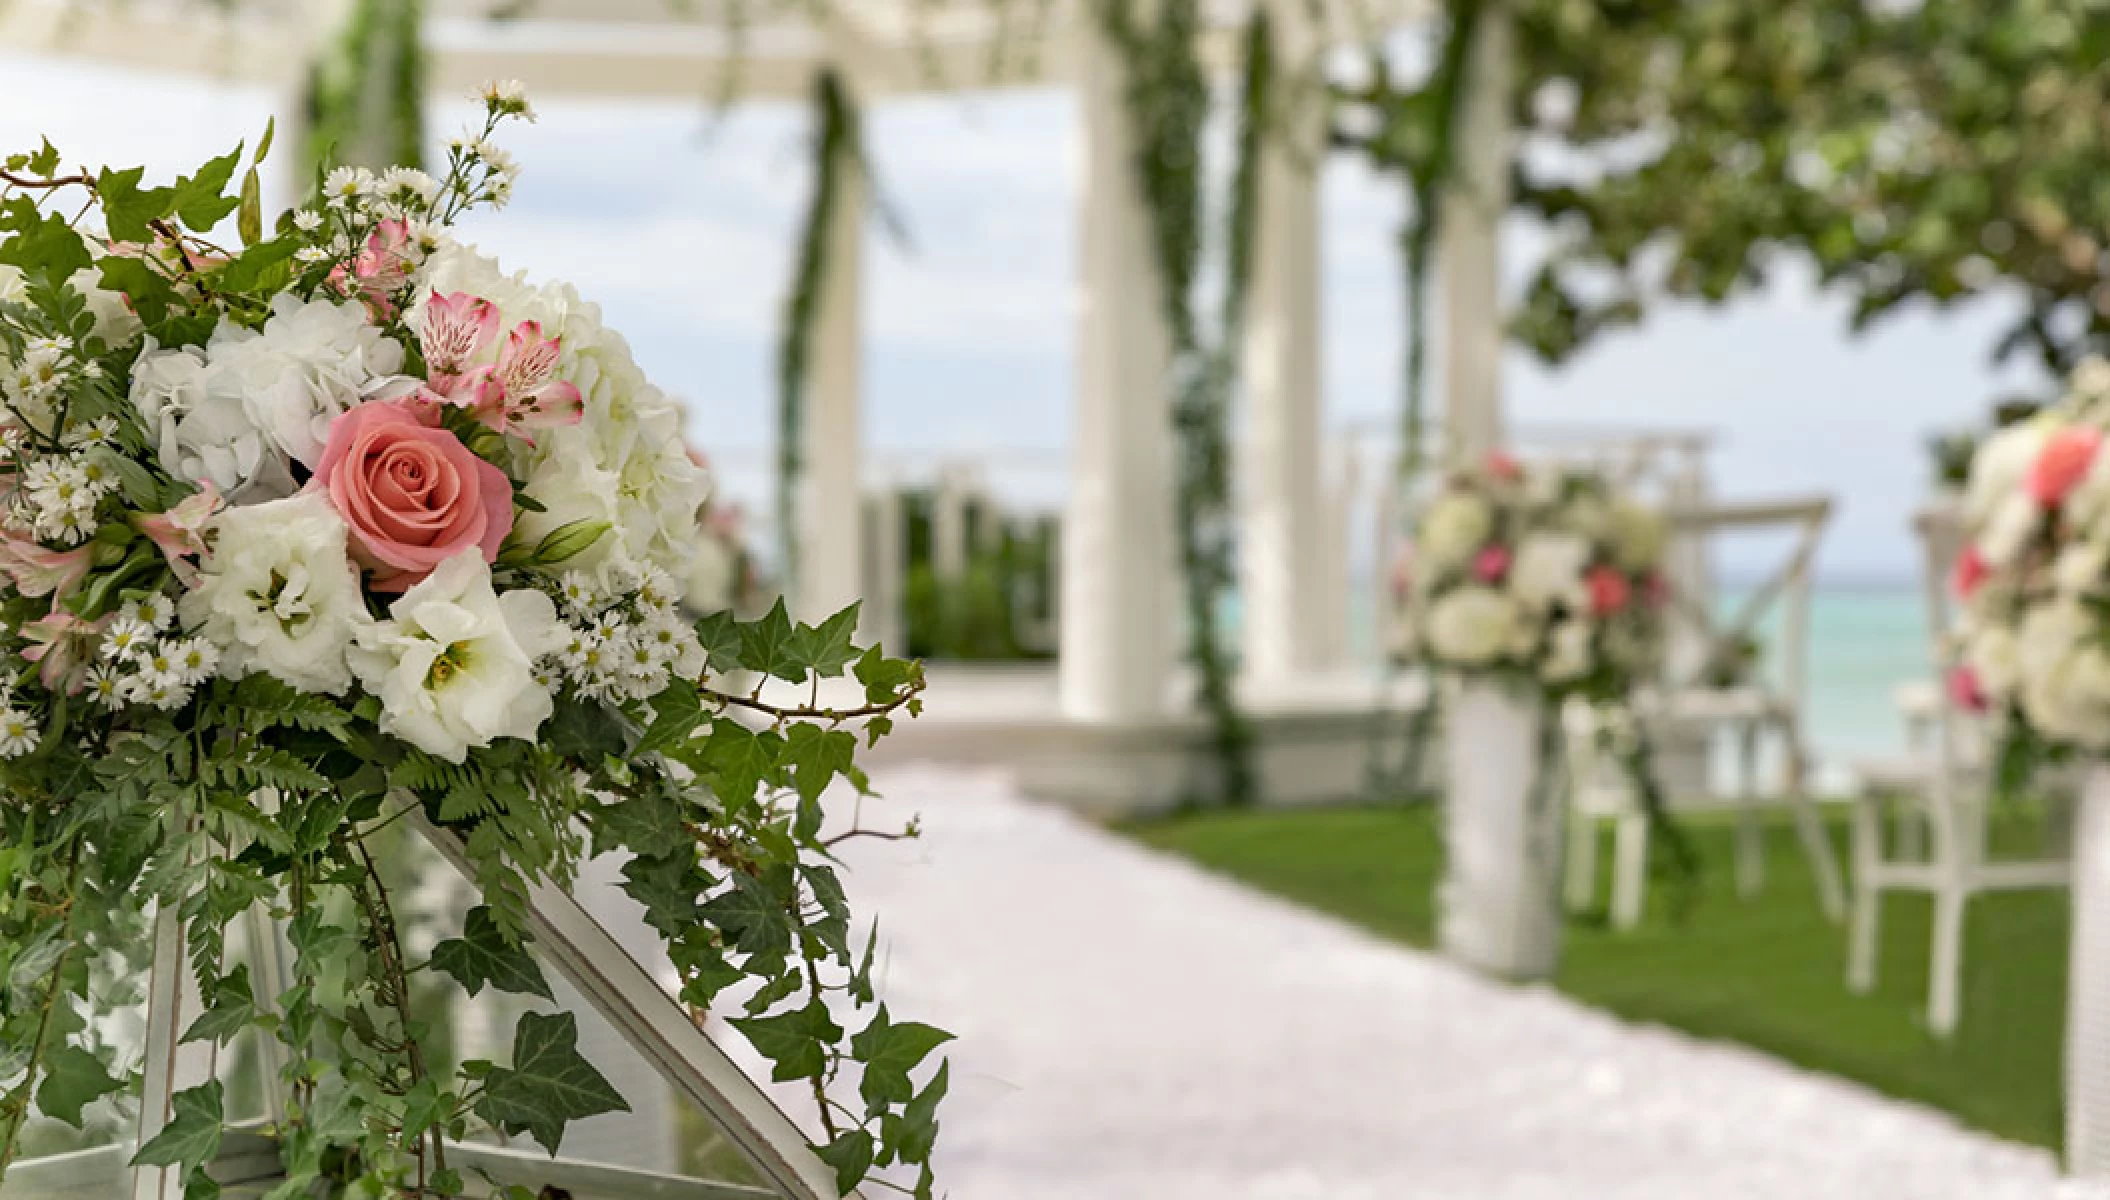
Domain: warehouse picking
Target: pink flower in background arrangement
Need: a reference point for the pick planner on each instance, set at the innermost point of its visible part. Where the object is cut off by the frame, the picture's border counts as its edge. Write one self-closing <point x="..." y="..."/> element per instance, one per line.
<point x="2065" y="458"/>
<point x="1964" y="689"/>
<point x="1655" y="590"/>
<point x="1504" y="467"/>
<point x="1609" y="591"/>
<point x="412" y="496"/>
<point x="1971" y="572"/>
<point x="1491" y="565"/>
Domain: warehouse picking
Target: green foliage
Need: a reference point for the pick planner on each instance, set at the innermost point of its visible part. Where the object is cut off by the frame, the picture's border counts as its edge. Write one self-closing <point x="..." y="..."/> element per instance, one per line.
<point x="549" y="1085"/>
<point x="484" y="954"/>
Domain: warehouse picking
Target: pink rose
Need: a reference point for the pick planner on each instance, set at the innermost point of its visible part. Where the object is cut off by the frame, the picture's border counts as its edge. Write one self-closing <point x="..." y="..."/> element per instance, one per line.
<point x="2061" y="464"/>
<point x="1491" y="564"/>
<point x="1971" y="572"/>
<point x="1609" y="591"/>
<point x="412" y="495"/>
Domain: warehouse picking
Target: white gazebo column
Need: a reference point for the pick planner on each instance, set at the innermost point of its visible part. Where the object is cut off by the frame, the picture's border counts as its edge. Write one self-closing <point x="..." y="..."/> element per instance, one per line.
<point x="1282" y="553"/>
<point x="1469" y="258"/>
<point x="831" y="504"/>
<point x="1117" y="553"/>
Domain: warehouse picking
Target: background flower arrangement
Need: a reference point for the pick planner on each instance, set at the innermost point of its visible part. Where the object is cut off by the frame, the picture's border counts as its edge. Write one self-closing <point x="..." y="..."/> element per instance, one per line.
<point x="344" y="525"/>
<point x="2033" y="579"/>
<point x="1539" y="574"/>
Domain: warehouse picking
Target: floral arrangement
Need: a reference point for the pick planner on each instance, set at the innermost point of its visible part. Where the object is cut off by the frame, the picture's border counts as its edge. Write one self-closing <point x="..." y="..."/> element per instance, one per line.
<point x="2033" y="575"/>
<point x="1538" y="573"/>
<point x="339" y="524"/>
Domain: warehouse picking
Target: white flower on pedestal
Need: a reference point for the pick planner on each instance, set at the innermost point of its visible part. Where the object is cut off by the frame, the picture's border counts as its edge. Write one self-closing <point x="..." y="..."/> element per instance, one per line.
<point x="1997" y="470"/>
<point x="1455" y="526"/>
<point x="1472" y="626"/>
<point x="1994" y="659"/>
<point x="1549" y="570"/>
<point x="2013" y="521"/>
<point x="1567" y="652"/>
<point x="454" y="665"/>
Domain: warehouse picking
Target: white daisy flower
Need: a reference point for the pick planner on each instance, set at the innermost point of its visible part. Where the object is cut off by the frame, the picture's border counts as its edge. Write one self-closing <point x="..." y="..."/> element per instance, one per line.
<point x="18" y="734"/>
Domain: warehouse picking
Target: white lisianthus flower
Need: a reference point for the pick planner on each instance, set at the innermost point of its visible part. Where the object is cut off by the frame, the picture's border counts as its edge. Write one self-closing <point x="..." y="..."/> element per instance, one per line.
<point x="1568" y="652"/>
<point x="279" y="594"/>
<point x="1472" y="626"/>
<point x="312" y="361"/>
<point x="571" y="487"/>
<point x="2013" y="522"/>
<point x="454" y="666"/>
<point x="1999" y="466"/>
<point x="1549" y="570"/>
<point x="1455" y="526"/>
<point x="115" y="322"/>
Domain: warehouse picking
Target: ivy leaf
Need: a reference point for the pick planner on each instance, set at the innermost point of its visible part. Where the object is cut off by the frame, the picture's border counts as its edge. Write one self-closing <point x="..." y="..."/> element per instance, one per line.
<point x="260" y="263"/>
<point x="883" y="677"/>
<point x="825" y="649"/>
<point x="911" y="1135"/>
<point x="127" y="207"/>
<point x="40" y="243"/>
<point x="815" y="756"/>
<point x="73" y="1079"/>
<point x="667" y="887"/>
<point x="549" y="1085"/>
<point x="741" y="759"/>
<point x="150" y="293"/>
<point x="720" y="635"/>
<point x="771" y="646"/>
<point x="678" y="710"/>
<point x="851" y="1156"/>
<point x="201" y="199"/>
<point x="795" y="1041"/>
<point x="192" y="1136"/>
<point x="754" y="913"/>
<point x="484" y="954"/>
<point x="584" y="732"/>
<point x="889" y="1052"/>
<point x="233" y="1007"/>
<point x="647" y="822"/>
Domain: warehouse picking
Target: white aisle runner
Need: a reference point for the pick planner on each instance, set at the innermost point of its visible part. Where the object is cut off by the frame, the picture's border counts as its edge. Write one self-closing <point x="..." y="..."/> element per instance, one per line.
<point x="1131" y="1028"/>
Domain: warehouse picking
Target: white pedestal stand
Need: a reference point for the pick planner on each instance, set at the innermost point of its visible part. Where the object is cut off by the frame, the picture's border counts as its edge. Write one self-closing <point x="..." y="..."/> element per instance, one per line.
<point x="1499" y="905"/>
<point x="2088" y="986"/>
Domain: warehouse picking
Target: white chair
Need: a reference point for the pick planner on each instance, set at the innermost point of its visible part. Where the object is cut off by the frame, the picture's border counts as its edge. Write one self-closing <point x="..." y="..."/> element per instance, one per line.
<point x="1941" y="792"/>
<point x="1699" y="701"/>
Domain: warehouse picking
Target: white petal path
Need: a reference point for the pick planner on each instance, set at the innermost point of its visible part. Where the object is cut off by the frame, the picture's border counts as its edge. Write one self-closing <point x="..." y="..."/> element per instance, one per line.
<point x="1132" y="1028"/>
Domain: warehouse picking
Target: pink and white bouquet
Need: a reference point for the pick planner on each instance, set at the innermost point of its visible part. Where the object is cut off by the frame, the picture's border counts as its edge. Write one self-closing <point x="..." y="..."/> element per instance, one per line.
<point x="2033" y="575"/>
<point x="330" y="522"/>
<point x="1536" y="572"/>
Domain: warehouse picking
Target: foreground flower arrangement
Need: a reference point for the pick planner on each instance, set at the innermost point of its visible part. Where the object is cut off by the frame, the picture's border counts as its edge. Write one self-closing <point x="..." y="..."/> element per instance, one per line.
<point x="1539" y="575"/>
<point x="2033" y="578"/>
<point x="345" y="525"/>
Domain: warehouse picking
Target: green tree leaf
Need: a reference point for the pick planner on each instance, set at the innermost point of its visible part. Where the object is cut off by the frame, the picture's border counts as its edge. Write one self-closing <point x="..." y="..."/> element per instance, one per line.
<point x="73" y="1079"/>
<point x="484" y="954"/>
<point x="549" y="1085"/>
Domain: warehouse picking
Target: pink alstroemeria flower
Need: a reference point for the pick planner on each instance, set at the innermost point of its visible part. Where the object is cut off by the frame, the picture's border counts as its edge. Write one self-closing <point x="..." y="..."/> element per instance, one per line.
<point x="179" y="533"/>
<point x="379" y="270"/>
<point x="1965" y="690"/>
<point x="63" y="643"/>
<point x="532" y="396"/>
<point x="458" y="327"/>
<point x="36" y="571"/>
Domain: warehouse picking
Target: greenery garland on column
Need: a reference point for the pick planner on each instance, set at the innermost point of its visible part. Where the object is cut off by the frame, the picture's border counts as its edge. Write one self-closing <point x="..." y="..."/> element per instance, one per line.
<point x="366" y="94"/>
<point x="1168" y="111"/>
<point x="838" y="150"/>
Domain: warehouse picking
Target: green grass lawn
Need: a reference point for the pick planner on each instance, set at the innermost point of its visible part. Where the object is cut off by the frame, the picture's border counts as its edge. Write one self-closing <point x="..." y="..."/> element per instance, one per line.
<point x="1768" y="972"/>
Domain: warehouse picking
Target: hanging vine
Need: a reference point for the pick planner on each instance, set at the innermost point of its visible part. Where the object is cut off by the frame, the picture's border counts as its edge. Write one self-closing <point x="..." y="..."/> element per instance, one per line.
<point x="365" y="95"/>
<point x="1168" y="104"/>
<point x="838" y="152"/>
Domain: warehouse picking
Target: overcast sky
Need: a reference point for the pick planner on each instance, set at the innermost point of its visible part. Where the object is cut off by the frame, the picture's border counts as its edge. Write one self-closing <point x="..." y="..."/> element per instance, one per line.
<point x="680" y="223"/>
